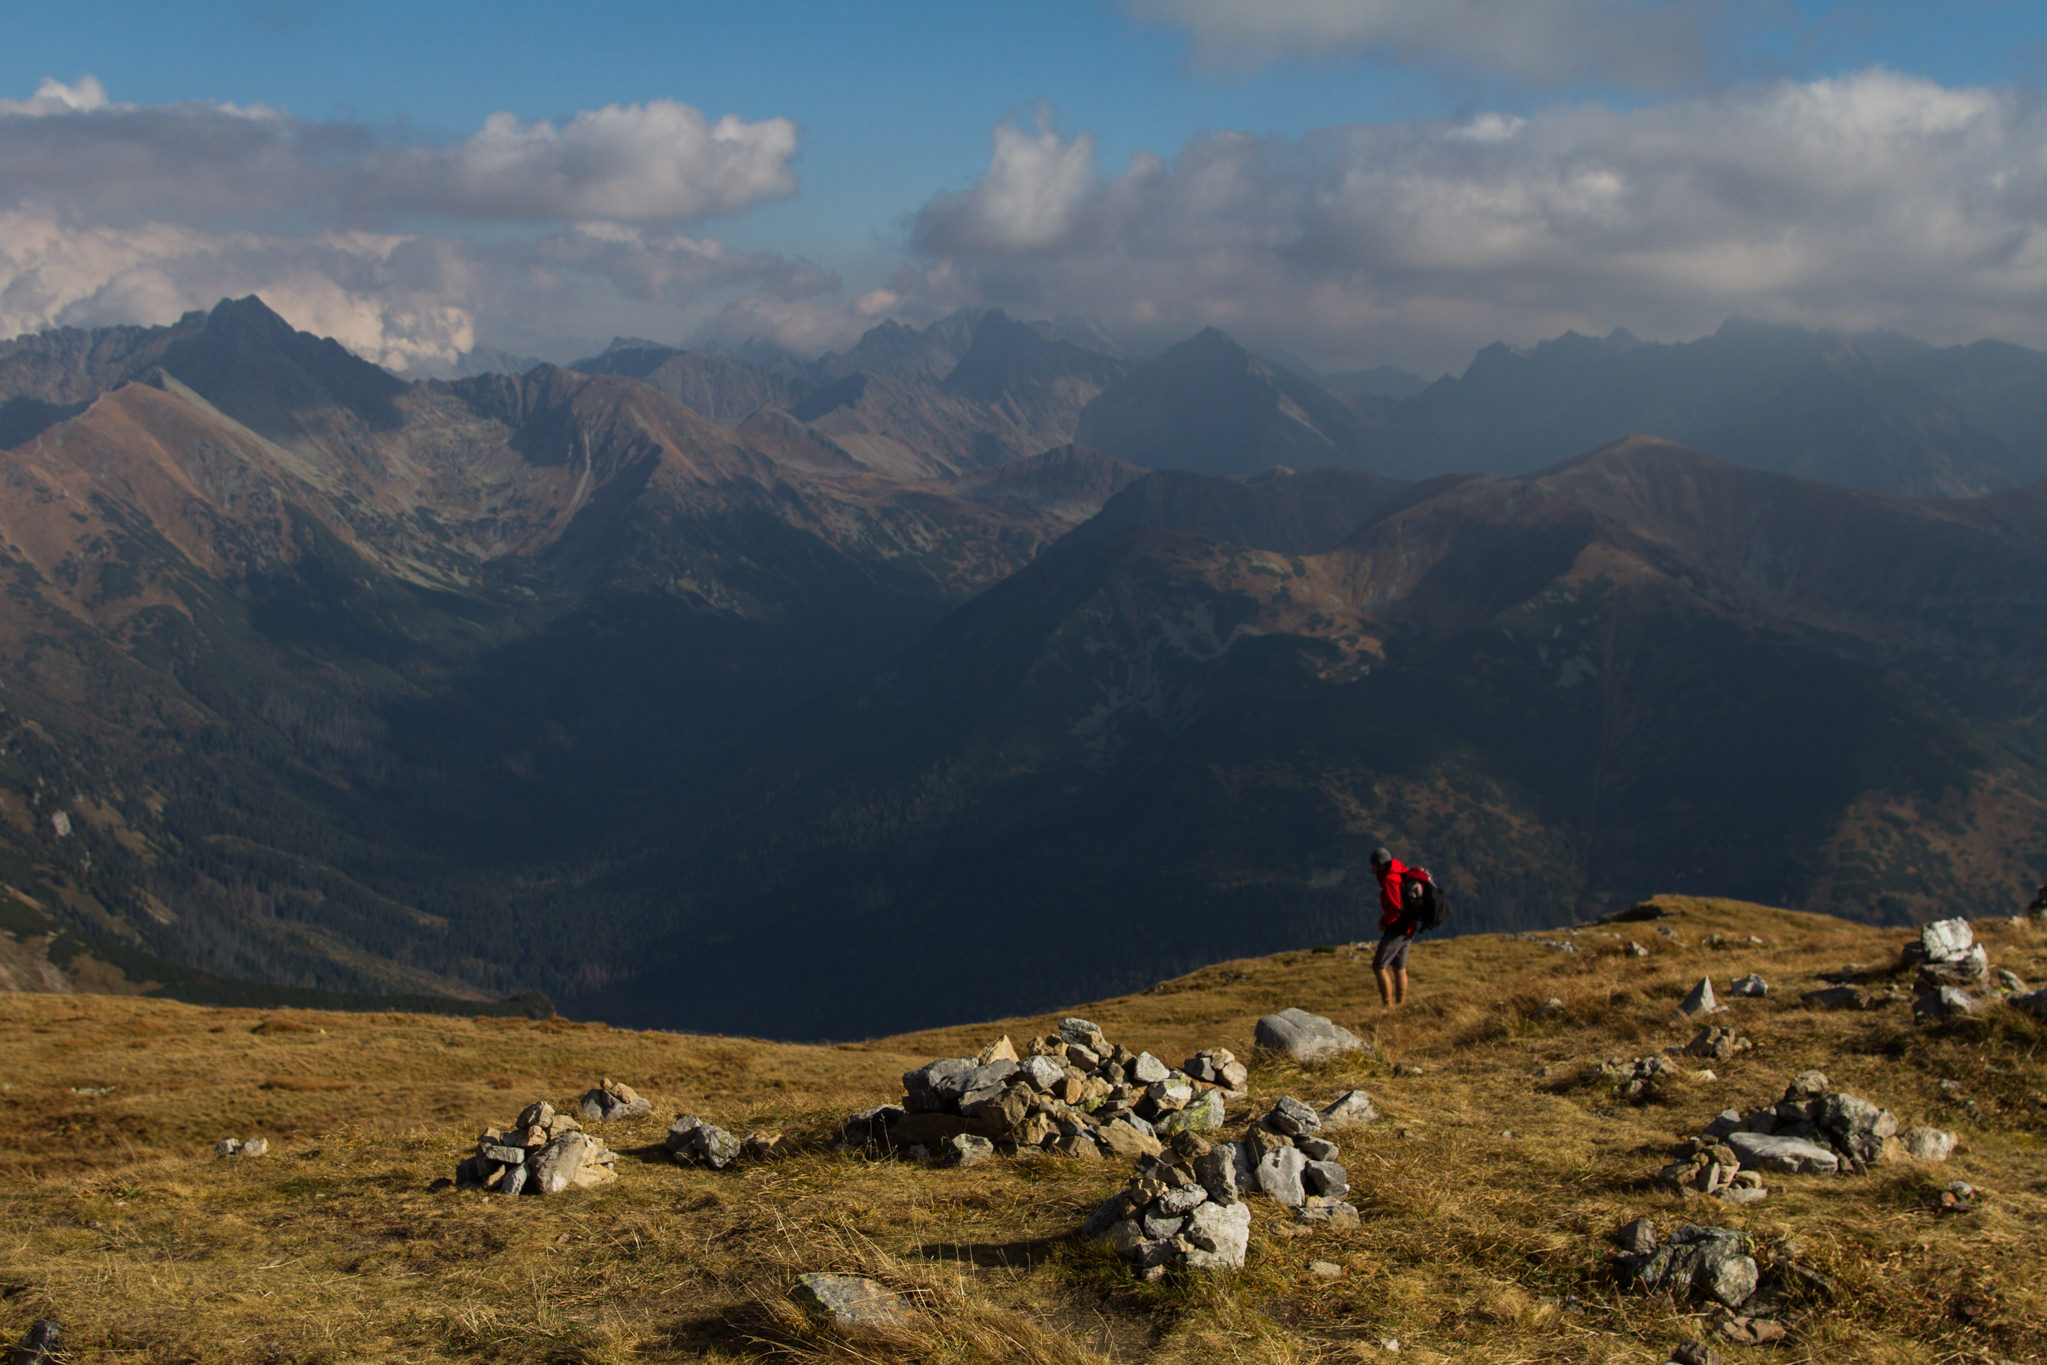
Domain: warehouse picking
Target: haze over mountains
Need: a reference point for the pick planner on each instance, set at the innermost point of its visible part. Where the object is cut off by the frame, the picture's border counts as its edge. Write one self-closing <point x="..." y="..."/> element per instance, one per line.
<point x="802" y="697"/>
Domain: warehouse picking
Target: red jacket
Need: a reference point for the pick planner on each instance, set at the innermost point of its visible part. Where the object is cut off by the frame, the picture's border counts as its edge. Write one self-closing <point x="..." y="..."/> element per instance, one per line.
<point x="1391" y="906"/>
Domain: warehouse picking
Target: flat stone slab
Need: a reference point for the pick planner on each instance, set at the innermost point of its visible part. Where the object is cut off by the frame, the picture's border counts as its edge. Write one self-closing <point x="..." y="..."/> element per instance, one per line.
<point x="849" y="1300"/>
<point x="1785" y="1155"/>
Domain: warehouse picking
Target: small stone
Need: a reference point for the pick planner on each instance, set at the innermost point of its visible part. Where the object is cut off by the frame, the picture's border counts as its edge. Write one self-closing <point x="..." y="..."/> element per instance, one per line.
<point x="1326" y="1178"/>
<point x="536" y="1115"/>
<point x="1638" y="1238"/>
<point x="1204" y="1115"/>
<point x="1348" y="1110"/>
<point x="1948" y="1002"/>
<point x="695" y="1141"/>
<point x="966" y="1149"/>
<point x="254" y="1147"/>
<point x="44" y="1339"/>
<point x="1218" y="1173"/>
<point x="1185" y="1199"/>
<point x="1001" y="1050"/>
<point x="1328" y="1270"/>
<point x="504" y="1156"/>
<point x="555" y="1166"/>
<point x="1695" y="1353"/>
<point x="515" y="1180"/>
<point x="2010" y="982"/>
<point x="1219" y="1235"/>
<point x="1073" y="1030"/>
<point x="1293" y="1118"/>
<point x="1968" y="969"/>
<point x="1147" y="1069"/>
<point x="1333" y="1213"/>
<point x="1927" y="1144"/>
<point x="1858" y="1126"/>
<point x="1306" y="1037"/>
<point x="1125" y="1141"/>
<point x="226" y="1148"/>
<point x="1406" y="1069"/>
<point x="1699" y="1000"/>
<point x="849" y="1301"/>
<point x="1317" y="1149"/>
<point x="1635" y="949"/>
<point x="1750" y="985"/>
<point x="1807" y="1085"/>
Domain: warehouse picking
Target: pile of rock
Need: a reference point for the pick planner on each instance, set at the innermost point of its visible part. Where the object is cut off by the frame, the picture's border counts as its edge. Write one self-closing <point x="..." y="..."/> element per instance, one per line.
<point x="695" y="1141"/>
<point x="543" y="1152"/>
<point x="1812" y="1130"/>
<point x="1073" y="1092"/>
<point x="1638" y="1080"/>
<point x="1717" y="1042"/>
<point x="1717" y="1268"/>
<point x="1183" y="1207"/>
<point x="612" y="1101"/>
<point x="1951" y="964"/>
<point x="1287" y="1154"/>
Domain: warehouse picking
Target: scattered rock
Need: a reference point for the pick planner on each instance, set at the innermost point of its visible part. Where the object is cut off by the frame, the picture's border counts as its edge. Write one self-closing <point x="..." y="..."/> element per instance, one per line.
<point x="240" y="1147"/>
<point x="1218" y="1066"/>
<point x="1695" y="1353"/>
<point x="1328" y="1270"/>
<point x="966" y="1149"/>
<point x="1700" y="1262"/>
<point x="1349" y="1109"/>
<point x="1945" y="940"/>
<point x="1752" y="1331"/>
<point x="1943" y="1002"/>
<point x="1970" y="969"/>
<point x="694" y="1141"/>
<point x="1180" y="1208"/>
<point x="1840" y="998"/>
<point x="2010" y="982"/>
<point x="849" y="1301"/>
<point x="1638" y="1238"/>
<point x="766" y="1146"/>
<point x="1927" y="1144"/>
<point x="1635" y="949"/>
<point x="541" y="1153"/>
<point x="40" y="1344"/>
<point x="1750" y="985"/>
<point x="1717" y="1042"/>
<point x="613" y="1100"/>
<point x="1406" y="1069"/>
<point x="1306" y="1037"/>
<point x="1699" y="1000"/>
<point x="1782" y="1155"/>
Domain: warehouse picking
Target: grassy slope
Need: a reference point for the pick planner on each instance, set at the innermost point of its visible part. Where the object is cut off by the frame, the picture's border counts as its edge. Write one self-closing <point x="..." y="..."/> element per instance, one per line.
<point x="115" y="1219"/>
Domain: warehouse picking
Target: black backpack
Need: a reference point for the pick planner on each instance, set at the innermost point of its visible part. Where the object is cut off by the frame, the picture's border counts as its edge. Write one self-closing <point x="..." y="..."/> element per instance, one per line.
<point x="1423" y="901"/>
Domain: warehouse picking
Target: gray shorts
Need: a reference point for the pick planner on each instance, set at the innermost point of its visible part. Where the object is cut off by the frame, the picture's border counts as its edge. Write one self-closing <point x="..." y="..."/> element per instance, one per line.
<point x="1392" y="954"/>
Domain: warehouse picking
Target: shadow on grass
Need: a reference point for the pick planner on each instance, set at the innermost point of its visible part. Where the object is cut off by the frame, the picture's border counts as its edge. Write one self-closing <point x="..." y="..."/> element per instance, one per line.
<point x="983" y="1255"/>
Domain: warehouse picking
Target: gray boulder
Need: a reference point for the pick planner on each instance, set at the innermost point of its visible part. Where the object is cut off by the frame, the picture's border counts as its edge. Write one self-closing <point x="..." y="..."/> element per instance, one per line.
<point x="1750" y="985"/>
<point x="1217" y="1169"/>
<point x="556" y="1165"/>
<point x="1946" y="939"/>
<point x="965" y="1149"/>
<point x="849" y="1301"/>
<point x="1785" y="1155"/>
<point x="1638" y="1238"/>
<point x="936" y="1087"/>
<point x="1326" y="1178"/>
<point x="1148" y="1070"/>
<point x="1042" y="1072"/>
<point x="1293" y="1118"/>
<point x="1857" y="1126"/>
<point x="1306" y="1037"/>
<point x="1927" y="1144"/>
<point x="1699" y="1000"/>
<point x="1220" y="1235"/>
<point x="1280" y="1175"/>
<point x="699" y="1142"/>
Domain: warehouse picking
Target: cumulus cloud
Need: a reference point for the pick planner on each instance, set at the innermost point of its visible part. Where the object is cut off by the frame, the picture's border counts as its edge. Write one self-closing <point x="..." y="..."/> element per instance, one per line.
<point x="1646" y="44"/>
<point x="1872" y="199"/>
<point x="70" y="146"/>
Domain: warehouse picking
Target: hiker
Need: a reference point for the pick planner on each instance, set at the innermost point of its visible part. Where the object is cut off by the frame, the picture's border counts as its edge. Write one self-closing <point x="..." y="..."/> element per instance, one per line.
<point x="1396" y="928"/>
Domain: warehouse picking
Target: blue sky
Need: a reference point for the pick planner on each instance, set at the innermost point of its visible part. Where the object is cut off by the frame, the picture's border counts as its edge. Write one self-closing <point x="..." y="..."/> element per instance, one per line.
<point x="894" y="108"/>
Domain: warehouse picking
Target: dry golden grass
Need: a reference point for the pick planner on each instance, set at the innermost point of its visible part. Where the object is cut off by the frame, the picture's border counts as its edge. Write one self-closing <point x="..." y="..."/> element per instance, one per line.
<point x="1489" y="1191"/>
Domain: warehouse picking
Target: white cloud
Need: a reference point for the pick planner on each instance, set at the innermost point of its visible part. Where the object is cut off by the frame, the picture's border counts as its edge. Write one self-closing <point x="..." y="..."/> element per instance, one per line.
<point x="70" y="147"/>
<point x="1873" y="199"/>
<point x="1632" y="43"/>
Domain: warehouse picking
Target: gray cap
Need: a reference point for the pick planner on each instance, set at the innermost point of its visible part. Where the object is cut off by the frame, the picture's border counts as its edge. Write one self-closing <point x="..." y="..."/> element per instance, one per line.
<point x="1380" y="857"/>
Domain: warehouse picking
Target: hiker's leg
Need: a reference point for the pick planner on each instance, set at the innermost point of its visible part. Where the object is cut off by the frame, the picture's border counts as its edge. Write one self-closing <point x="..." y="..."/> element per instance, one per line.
<point x="1385" y="985"/>
<point x="1400" y="985"/>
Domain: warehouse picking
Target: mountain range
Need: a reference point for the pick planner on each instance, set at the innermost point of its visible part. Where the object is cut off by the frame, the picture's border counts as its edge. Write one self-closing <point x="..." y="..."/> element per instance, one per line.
<point x="981" y="667"/>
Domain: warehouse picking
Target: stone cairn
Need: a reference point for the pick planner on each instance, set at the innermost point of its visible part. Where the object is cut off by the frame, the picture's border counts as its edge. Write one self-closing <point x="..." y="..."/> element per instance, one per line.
<point x="1073" y="1093"/>
<point x="1951" y="964"/>
<point x="1184" y="1207"/>
<point x="612" y="1101"/>
<point x="1812" y="1130"/>
<point x="543" y="1152"/>
<point x="695" y="1141"/>
<point x="1722" y="1270"/>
